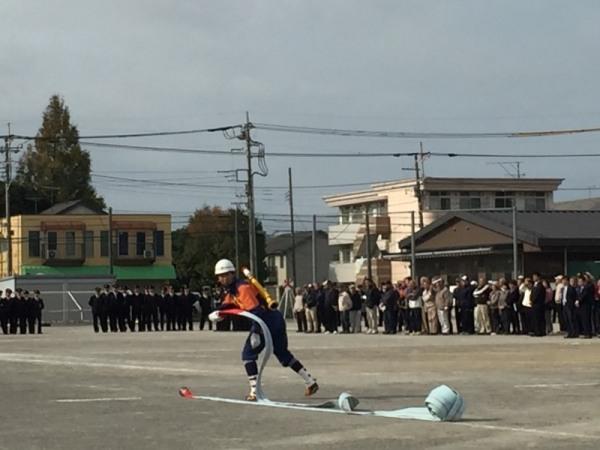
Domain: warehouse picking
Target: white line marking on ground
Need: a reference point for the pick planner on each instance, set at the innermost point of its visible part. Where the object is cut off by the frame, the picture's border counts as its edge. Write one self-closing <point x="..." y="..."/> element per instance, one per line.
<point x="563" y="434"/>
<point x="556" y="385"/>
<point x="101" y="399"/>
<point x="39" y="359"/>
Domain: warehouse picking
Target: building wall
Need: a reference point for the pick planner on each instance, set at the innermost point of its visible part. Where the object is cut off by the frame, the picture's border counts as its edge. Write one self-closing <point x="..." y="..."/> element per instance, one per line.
<point x="462" y="234"/>
<point x="304" y="261"/>
<point x="401" y="200"/>
<point x="282" y="264"/>
<point x="22" y="225"/>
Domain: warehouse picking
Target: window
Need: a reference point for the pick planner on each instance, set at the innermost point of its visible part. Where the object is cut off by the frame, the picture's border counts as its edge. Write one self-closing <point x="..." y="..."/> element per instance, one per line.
<point x="159" y="243"/>
<point x="34" y="244"/>
<point x="346" y="255"/>
<point x="89" y="243"/>
<point x="104" y="243"/>
<point x="344" y="216"/>
<point x="69" y="243"/>
<point x="281" y="261"/>
<point x="470" y="200"/>
<point x="51" y="240"/>
<point x="378" y="209"/>
<point x="140" y="243"/>
<point x="123" y="243"/>
<point x="504" y="200"/>
<point x="439" y="200"/>
<point x="535" y="200"/>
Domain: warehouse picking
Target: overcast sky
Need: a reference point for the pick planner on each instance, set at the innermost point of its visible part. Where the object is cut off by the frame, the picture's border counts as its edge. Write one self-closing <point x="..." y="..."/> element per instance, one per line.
<point x="454" y="66"/>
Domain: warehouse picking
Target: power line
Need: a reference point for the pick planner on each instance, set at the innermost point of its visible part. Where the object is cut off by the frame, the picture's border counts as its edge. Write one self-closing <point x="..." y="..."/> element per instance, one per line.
<point x="349" y="154"/>
<point x="419" y="135"/>
<point x="158" y="149"/>
<point x="130" y="135"/>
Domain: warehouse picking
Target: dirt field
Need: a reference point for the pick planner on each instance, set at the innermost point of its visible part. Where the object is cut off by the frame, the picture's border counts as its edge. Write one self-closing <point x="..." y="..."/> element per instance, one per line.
<point x="72" y="389"/>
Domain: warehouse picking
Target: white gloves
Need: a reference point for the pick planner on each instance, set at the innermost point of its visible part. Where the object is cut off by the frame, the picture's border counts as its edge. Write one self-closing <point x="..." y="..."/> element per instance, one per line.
<point x="215" y="316"/>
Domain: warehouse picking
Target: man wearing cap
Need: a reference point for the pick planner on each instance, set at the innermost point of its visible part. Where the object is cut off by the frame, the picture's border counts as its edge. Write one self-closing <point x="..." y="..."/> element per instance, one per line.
<point x="3" y="313"/>
<point x="21" y="310"/>
<point x="95" y="305"/>
<point x="205" y="307"/>
<point x="243" y="295"/>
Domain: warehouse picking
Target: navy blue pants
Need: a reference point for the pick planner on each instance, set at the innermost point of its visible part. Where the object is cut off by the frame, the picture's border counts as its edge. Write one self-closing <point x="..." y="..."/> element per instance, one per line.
<point x="276" y="324"/>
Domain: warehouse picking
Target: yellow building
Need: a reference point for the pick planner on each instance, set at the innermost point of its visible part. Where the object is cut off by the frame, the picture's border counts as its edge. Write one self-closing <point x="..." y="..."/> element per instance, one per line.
<point x="72" y="240"/>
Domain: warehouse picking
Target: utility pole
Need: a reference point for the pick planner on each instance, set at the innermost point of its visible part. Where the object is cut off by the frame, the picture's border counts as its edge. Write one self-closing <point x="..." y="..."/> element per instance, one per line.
<point x="368" y="246"/>
<point x="110" y="241"/>
<point x="418" y="191"/>
<point x="422" y="156"/>
<point x="292" y="226"/>
<point x="512" y="168"/>
<point x="314" y="249"/>
<point x="7" y="180"/>
<point x="236" y="231"/>
<point x="237" y="244"/>
<point x="250" y="196"/>
<point x="413" y="255"/>
<point x="515" y="243"/>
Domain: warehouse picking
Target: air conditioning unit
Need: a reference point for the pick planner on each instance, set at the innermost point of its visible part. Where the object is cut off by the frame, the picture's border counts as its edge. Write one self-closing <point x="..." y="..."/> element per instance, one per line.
<point x="51" y="254"/>
<point x="148" y="254"/>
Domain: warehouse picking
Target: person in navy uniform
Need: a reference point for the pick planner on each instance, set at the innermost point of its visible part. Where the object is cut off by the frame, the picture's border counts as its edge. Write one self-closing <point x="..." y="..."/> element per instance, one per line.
<point x="135" y="301"/>
<point x="206" y="300"/>
<point x="96" y="305"/>
<point x="21" y="310"/>
<point x="4" y="306"/>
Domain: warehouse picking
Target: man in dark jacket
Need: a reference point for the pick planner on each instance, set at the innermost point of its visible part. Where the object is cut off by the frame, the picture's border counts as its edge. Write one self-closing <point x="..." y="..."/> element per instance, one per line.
<point x="112" y="308"/>
<point x="96" y="304"/>
<point x="509" y="313"/>
<point x="330" y="308"/>
<point x="538" y="305"/>
<point x="149" y="310"/>
<point x="466" y="305"/>
<point x="169" y="300"/>
<point x="569" y="297"/>
<point x="372" y="300"/>
<point x="584" y="303"/>
<point x="4" y="305"/>
<point x="135" y="302"/>
<point x="21" y="310"/>
<point x="38" y="311"/>
<point x="31" y="312"/>
<point x="123" y="312"/>
<point x="390" y="301"/>
<point x="187" y="303"/>
<point x="320" y="294"/>
<point x="205" y="307"/>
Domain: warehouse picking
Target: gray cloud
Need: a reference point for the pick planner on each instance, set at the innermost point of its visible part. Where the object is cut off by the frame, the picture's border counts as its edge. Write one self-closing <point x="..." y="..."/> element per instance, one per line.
<point x="400" y="65"/>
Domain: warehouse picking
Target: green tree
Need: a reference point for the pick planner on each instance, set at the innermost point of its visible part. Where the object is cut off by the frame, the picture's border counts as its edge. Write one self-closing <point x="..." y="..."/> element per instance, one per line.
<point x="55" y="168"/>
<point x="208" y="237"/>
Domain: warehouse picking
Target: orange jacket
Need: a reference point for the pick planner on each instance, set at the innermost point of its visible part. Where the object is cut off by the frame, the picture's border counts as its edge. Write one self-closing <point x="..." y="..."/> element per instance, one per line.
<point x="243" y="296"/>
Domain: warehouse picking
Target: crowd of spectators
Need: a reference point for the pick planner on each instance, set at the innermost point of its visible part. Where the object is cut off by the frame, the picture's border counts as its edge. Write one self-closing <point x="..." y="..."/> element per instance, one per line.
<point x="529" y="305"/>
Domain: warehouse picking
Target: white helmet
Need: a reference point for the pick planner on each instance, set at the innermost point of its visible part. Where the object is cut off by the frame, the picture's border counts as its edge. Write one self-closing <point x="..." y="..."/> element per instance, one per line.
<point x="224" y="266"/>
